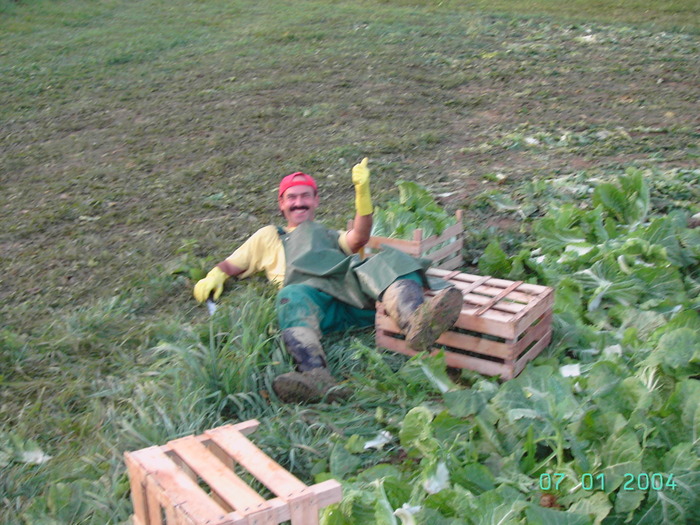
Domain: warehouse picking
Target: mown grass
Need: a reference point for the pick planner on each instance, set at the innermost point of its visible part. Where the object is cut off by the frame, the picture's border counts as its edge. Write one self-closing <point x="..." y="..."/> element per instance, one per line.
<point x="664" y="15"/>
<point x="141" y="142"/>
<point x="122" y="142"/>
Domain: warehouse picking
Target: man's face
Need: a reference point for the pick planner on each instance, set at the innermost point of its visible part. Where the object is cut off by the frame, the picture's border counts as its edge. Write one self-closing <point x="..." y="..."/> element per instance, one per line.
<point x="298" y="204"/>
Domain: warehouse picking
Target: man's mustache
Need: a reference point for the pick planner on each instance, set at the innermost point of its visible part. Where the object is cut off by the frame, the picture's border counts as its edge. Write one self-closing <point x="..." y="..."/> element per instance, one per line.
<point x="295" y="208"/>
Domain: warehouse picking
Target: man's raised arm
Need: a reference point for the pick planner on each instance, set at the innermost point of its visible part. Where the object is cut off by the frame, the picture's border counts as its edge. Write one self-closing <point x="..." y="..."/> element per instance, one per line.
<point x="362" y="226"/>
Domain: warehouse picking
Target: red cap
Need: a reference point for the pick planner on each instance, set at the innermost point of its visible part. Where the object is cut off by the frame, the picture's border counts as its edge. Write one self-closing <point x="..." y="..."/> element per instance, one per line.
<point x="291" y="180"/>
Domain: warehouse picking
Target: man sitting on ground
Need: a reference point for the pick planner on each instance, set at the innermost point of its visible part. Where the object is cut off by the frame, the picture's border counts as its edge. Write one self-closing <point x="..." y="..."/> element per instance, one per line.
<point x="324" y="288"/>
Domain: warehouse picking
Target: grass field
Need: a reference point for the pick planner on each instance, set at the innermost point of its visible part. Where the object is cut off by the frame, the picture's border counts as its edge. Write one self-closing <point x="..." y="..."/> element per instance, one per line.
<point x="141" y="142"/>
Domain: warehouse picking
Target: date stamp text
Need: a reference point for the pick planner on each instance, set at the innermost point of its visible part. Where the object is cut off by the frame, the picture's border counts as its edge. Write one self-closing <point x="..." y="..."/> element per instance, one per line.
<point x="643" y="481"/>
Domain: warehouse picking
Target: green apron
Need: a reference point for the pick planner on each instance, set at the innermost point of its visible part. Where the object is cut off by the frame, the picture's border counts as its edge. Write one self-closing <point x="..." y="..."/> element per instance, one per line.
<point x="315" y="259"/>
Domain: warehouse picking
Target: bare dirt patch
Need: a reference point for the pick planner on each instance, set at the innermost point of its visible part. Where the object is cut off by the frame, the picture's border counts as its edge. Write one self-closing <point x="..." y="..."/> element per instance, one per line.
<point x="113" y="160"/>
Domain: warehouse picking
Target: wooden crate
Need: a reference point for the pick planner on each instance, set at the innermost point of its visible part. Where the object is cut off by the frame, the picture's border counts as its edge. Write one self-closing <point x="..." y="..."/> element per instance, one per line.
<point x="503" y="325"/>
<point x="194" y="480"/>
<point x="444" y="250"/>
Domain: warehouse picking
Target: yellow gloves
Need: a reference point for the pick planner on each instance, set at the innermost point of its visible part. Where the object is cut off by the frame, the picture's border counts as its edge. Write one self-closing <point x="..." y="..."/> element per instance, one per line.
<point x="360" y="178"/>
<point x="213" y="282"/>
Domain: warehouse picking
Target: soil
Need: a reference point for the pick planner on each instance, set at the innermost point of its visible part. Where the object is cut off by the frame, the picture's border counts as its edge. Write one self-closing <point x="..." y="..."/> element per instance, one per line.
<point x="110" y="180"/>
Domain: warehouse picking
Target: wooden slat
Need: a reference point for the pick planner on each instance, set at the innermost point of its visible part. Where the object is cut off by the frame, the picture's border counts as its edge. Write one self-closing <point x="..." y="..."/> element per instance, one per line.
<point x="451" y="264"/>
<point x="173" y="489"/>
<point x="224" y="482"/>
<point x="515" y="297"/>
<point x="138" y="489"/>
<point x="484" y="308"/>
<point x="247" y="427"/>
<point x="443" y="252"/>
<point x="477" y="345"/>
<point x="539" y="305"/>
<point x="534" y="333"/>
<point x="474" y="302"/>
<point x="467" y="289"/>
<point x="534" y="289"/>
<point x="303" y="508"/>
<point x="244" y="427"/>
<point x="484" y="292"/>
<point x="450" y="275"/>
<point x="494" y="323"/>
<point x="544" y="304"/>
<point x="532" y="353"/>
<point x="409" y="247"/>
<point x="452" y="231"/>
<point x="326" y="493"/>
<point x="266" y="470"/>
<point x="216" y="450"/>
<point x="276" y="511"/>
<point x="155" y="503"/>
<point x="452" y="359"/>
<point x="173" y="516"/>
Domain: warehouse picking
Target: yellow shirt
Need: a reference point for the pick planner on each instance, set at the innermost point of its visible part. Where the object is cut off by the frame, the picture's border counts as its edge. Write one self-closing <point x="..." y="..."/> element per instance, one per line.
<point x="264" y="252"/>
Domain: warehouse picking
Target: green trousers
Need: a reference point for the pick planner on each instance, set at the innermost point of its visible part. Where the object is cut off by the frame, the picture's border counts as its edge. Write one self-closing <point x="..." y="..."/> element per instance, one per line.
<point x="304" y="305"/>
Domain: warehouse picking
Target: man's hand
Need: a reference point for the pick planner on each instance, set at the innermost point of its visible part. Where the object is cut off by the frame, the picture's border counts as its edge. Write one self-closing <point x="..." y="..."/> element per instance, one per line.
<point x="212" y="283"/>
<point x="360" y="173"/>
<point x="360" y="233"/>
<point x="360" y="178"/>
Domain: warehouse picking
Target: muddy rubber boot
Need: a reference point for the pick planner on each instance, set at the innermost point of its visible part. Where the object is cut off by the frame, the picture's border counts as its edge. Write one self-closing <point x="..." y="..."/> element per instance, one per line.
<point x="434" y="317"/>
<point x="309" y="387"/>
<point x="421" y="321"/>
<point x="304" y="345"/>
<point x="312" y="380"/>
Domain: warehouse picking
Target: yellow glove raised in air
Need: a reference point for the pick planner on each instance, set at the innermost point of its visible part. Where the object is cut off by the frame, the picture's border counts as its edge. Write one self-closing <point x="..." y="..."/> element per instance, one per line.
<point x="360" y="178"/>
<point x="213" y="282"/>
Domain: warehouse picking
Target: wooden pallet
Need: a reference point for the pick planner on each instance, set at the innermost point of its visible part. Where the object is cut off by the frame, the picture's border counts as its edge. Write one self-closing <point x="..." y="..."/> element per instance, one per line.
<point x="503" y="325"/>
<point x="445" y="250"/>
<point x="194" y="481"/>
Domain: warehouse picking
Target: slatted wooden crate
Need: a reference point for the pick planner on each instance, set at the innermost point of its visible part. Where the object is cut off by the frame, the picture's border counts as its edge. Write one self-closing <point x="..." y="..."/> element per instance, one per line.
<point x="503" y="325"/>
<point x="194" y="481"/>
<point x="445" y="250"/>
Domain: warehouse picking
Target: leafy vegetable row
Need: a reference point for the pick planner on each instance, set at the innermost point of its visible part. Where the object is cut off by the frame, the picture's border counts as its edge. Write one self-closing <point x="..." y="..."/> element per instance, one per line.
<point x="617" y="396"/>
<point x="415" y="209"/>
